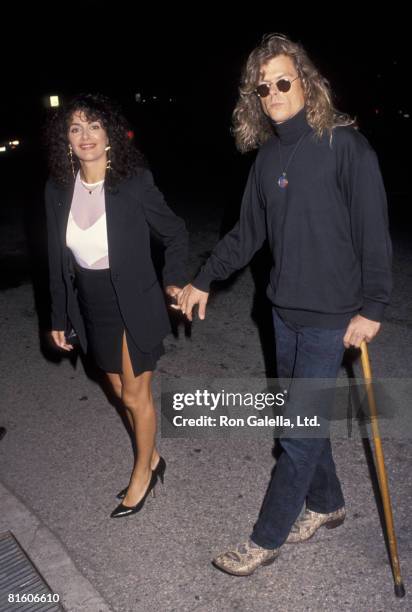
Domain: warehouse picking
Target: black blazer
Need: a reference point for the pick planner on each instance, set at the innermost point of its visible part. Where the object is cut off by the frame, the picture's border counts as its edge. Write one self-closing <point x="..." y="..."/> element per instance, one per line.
<point x="134" y="208"/>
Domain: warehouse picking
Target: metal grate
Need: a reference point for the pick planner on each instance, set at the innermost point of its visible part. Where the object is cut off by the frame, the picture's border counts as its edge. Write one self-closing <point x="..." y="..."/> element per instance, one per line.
<point x="21" y="579"/>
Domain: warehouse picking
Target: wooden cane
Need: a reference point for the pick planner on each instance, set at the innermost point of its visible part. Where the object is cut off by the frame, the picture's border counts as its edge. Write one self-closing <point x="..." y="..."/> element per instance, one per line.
<point x="381" y="471"/>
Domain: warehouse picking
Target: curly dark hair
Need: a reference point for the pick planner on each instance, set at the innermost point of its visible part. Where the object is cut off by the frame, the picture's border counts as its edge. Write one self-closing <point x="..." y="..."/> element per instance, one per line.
<point x="126" y="159"/>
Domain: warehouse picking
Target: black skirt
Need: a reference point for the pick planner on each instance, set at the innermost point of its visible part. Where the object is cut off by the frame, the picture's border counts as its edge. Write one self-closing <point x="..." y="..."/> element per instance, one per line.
<point x="105" y="326"/>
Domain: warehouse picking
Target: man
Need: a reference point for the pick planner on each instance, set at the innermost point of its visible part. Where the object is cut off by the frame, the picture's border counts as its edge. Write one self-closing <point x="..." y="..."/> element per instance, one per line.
<point x="316" y="193"/>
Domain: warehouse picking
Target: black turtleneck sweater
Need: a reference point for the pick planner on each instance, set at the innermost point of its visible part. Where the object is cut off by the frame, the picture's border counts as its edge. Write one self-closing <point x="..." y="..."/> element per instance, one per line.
<point x="327" y="230"/>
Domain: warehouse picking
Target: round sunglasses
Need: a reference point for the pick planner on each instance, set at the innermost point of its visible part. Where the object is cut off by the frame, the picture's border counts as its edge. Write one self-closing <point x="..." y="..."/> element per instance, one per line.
<point x="283" y="85"/>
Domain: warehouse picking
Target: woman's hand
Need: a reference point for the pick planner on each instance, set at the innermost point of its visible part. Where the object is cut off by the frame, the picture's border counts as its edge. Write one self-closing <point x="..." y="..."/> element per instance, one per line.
<point x="60" y="340"/>
<point x="173" y="292"/>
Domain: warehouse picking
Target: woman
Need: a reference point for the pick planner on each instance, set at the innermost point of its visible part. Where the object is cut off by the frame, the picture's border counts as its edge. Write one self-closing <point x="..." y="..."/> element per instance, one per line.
<point x="101" y="206"/>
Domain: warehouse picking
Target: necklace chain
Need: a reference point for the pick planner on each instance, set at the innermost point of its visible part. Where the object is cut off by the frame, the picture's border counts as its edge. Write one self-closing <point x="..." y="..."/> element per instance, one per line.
<point x="89" y="185"/>
<point x="283" y="180"/>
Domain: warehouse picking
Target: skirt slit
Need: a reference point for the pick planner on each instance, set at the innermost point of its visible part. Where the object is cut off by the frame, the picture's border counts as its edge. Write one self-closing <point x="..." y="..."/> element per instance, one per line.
<point x="105" y="325"/>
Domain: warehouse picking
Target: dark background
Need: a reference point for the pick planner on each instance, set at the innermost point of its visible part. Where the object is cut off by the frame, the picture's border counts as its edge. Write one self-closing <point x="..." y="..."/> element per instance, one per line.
<point x="193" y="57"/>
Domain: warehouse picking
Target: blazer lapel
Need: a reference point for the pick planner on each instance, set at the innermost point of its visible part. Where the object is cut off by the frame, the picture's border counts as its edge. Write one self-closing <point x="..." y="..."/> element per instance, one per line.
<point x="63" y="204"/>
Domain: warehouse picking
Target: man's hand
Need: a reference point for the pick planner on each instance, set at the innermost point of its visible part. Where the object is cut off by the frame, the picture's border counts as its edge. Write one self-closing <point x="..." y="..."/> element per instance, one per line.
<point x="360" y="329"/>
<point x="189" y="297"/>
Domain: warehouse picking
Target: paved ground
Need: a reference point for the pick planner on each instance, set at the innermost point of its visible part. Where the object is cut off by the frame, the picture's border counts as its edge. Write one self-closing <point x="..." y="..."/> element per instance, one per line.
<point x="66" y="453"/>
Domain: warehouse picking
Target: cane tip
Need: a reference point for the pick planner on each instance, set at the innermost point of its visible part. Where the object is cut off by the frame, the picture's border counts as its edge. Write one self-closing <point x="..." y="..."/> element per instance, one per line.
<point x="399" y="590"/>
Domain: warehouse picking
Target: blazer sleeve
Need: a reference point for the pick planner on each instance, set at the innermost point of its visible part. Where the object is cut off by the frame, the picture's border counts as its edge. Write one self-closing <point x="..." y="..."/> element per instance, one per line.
<point x="56" y="282"/>
<point x="171" y="230"/>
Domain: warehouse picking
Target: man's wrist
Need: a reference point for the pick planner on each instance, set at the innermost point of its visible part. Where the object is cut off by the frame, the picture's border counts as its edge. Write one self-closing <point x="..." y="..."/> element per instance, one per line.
<point x="202" y="281"/>
<point x="374" y="311"/>
<point x="180" y="281"/>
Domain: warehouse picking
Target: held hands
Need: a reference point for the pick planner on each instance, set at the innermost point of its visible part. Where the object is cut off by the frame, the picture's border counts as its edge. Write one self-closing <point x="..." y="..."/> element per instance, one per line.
<point x="60" y="340"/>
<point x="188" y="297"/>
<point x="360" y="329"/>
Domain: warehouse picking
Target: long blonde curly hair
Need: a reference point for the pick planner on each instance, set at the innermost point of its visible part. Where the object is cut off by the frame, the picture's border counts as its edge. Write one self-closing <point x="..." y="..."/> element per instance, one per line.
<point x="251" y="127"/>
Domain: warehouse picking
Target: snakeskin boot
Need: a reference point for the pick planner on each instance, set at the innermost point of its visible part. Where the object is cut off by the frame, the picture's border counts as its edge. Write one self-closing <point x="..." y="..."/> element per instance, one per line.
<point x="245" y="559"/>
<point x="306" y="526"/>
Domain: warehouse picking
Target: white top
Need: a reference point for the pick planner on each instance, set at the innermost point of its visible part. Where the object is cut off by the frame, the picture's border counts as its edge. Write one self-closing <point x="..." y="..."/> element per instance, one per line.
<point x="92" y="184"/>
<point x="86" y="233"/>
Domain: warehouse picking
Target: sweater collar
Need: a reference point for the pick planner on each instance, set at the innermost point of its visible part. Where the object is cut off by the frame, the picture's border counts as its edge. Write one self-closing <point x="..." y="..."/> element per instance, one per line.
<point x="292" y="129"/>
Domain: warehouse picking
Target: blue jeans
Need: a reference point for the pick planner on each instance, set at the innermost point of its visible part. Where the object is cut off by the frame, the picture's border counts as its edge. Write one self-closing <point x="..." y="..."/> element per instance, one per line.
<point x="305" y="469"/>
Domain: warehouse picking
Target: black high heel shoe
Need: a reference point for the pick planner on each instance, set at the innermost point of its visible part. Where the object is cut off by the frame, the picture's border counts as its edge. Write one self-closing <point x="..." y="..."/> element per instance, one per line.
<point x="159" y="471"/>
<point x="123" y="510"/>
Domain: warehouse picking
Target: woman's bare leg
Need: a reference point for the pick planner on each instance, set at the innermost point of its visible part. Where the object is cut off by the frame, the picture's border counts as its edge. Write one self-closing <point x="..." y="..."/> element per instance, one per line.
<point x="137" y="398"/>
<point x="117" y="386"/>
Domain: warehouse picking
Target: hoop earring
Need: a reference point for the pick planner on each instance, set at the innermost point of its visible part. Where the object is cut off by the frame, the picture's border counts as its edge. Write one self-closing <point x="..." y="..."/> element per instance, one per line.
<point x="109" y="161"/>
<point x="71" y="160"/>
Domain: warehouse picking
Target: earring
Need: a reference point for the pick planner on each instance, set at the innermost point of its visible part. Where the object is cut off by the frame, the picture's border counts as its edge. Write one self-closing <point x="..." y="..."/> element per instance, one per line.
<point x="109" y="161"/>
<point x="71" y="160"/>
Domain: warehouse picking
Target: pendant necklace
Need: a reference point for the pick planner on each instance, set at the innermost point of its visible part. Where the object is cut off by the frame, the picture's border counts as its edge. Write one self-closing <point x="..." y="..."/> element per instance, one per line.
<point x="89" y="185"/>
<point x="283" y="180"/>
